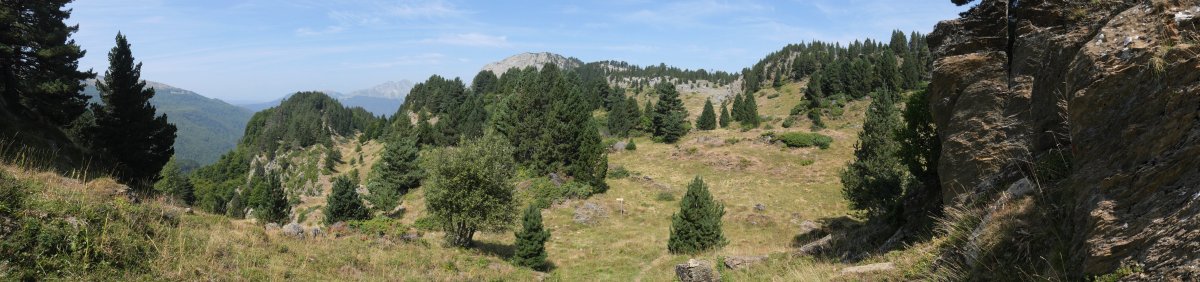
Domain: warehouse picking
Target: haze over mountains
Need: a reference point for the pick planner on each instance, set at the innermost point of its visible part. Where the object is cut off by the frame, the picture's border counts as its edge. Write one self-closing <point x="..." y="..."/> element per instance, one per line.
<point x="382" y="99"/>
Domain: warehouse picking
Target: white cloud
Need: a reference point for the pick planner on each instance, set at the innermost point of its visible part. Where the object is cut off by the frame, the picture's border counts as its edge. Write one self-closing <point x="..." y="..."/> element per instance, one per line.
<point x="409" y="60"/>
<point x="471" y="39"/>
<point x="304" y="31"/>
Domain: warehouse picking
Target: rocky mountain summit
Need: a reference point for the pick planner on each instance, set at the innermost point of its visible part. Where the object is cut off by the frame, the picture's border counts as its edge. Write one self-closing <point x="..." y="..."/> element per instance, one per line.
<point x="1093" y="103"/>
<point x="536" y="60"/>
<point x="395" y="90"/>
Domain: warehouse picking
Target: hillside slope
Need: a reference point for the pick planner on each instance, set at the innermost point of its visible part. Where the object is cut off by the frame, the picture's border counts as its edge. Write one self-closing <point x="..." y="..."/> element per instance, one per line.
<point x="1074" y="138"/>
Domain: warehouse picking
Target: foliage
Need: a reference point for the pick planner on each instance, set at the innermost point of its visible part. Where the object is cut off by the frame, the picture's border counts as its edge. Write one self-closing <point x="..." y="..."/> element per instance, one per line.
<point x="530" y="245"/>
<point x="805" y="139"/>
<point x="127" y="130"/>
<point x="303" y="120"/>
<point x="268" y="199"/>
<point x="546" y="193"/>
<point x="920" y="145"/>
<point x="697" y="226"/>
<point x="467" y="188"/>
<point x="40" y="76"/>
<point x="708" y="117"/>
<point x="172" y="183"/>
<point x="873" y="181"/>
<point x="396" y="173"/>
<point x="670" y="117"/>
<point x="59" y="235"/>
<point x="723" y="121"/>
<point x="618" y="172"/>
<point x="343" y="203"/>
<point x="630" y="146"/>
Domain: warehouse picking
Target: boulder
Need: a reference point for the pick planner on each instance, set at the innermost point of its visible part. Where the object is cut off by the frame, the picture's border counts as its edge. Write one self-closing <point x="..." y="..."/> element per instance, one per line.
<point x="742" y="262"/>
<point x="293" y="230"/>
<point x="870" y="268"/>
<point x="760" y="207"/>
<point x="619" y="146"/>
<point x="410" y="236"/>
<point x="818" y="247"/>
<point x="696" y="271"/>
<point x="589" y="213"/>
<point x="316" y="232"/>
<point x="188" y="211"/>
<point x="272" y="226"/>
<point x="396" y="212"/>
<point x="557" y="179"/>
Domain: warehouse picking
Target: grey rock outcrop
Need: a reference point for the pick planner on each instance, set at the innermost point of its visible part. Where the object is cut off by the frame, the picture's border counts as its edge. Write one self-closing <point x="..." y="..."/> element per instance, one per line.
<point x="697" y="271"/>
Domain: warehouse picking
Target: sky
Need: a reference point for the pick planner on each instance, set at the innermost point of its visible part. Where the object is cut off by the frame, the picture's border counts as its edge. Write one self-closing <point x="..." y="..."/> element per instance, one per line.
<point x="258" y="50"/>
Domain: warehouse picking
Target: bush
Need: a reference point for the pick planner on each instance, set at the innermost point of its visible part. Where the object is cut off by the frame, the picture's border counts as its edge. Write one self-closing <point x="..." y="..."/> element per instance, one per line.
<point x="546" y="193"/>
<point x="665" y="196"/>
<point x="788" y="122"/>
<point x="344" y="203"/>
<point x="468" y="188"/>
<point x="630" y="146"/>
<point x="803" y="139"/>
<point x="530" y="245"/>
<point x="427" y="223"/>
<point x="618" y="173"/>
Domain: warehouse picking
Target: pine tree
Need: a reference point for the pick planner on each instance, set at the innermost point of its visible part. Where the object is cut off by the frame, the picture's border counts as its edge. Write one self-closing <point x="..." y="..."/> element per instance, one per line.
<point x="590" y="164"/>
<point x="708" y="118"/>
<point x="750" y="111"/>
<point x="530" y="245"/>
<point x="670" y="117"/>
<point x="697" y="226"/>
<point x="39" y="63"/>
<point x="172" y="183"/>
<point x="273" y="204"/>
<point x="737" y="110"/>
<point x="127" y="130"/>
<point x="633" y="113"/>
<point x="872" y="182"/>
<point x="724" y="120"/>
<point x="619" y="120"/>
<point x="396" y="173"/>
<point x="343" y="202"/>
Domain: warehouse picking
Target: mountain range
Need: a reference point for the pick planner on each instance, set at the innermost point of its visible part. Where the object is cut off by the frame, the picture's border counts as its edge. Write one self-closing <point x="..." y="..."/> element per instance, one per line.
<point x="382" y="99"/>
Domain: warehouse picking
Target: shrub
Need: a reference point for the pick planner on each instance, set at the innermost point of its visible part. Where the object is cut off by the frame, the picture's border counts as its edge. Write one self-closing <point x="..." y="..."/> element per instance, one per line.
<point x="631" y="146"/>
<point x="427" y="223"/>
<point x="803" y="139"/>
<point x="788" y="122"/>
<point x="665" y="196"/>
<point x="618" y="173"/>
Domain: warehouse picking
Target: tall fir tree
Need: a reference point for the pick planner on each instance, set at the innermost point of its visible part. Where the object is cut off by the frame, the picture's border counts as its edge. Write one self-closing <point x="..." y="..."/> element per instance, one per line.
<point x="39" y="63"/>
<point x="127" y="130"/>
<point x="343" y="202"/>
<point x="872" y="182"/>
<point x="697" y="226"/>
<point x="724" y="120"/>
<point x="708" y="117"/>
<point x="670" y="117"/>
<point x="396" y="173"/>
<point x="530" y="245"/>
<point x="736" y="110"/>
<point x="619" y="120"/>
<point x="633" y="113"/>
<point x="750" y="111"/>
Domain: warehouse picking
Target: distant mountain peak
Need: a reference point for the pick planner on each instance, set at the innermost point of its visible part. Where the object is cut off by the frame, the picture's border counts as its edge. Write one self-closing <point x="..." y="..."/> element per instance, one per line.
<point x="536" y="60"/>
<point x="390" y="90"/>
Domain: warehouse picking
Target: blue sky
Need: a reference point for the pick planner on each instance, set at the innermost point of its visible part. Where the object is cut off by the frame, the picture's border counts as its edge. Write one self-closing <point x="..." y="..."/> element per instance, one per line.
<point x="258" y="50"/>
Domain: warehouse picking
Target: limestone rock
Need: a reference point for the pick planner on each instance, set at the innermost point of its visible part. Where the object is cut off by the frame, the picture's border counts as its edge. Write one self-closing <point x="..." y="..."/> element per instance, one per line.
<point x="697" y="271"/>
<point x="741" y="262"/>
<point x="293" y="230"/>
<point x="271" y="226"/>
<point x="536" y="60"/>
<point x="817" y="247"/>
<point x="589" y="213"/>
<point x="870" y="268"/>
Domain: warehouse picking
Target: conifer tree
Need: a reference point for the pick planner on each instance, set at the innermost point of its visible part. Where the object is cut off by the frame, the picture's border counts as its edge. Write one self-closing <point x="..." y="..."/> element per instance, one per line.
<point x="670" y="117"/>
<point x="172" y="183"/>
<point x="750" y="111"/>
<point x="396" y="173"/>
<point x="530" y="246"/>
<point x="273" y="203"/>
<point x="872" y="182"/>
<point x="343" y="202"/>
<point x="633" y="113"/>
<point x="737" y="109"/>
<point x="619" y="120"/>
<point x="724" y="120"/>
<point x="708" y="117"/>
<point x="590" y="163"/>
<point x="697" y="226"/>
<point x="39" y="62"/>
<point x="127" y="130"/>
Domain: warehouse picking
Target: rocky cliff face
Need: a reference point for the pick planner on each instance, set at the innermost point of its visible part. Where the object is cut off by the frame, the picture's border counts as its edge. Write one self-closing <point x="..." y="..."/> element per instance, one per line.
<point x="1097" y="103"/>
<point x="536" y="60"/>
